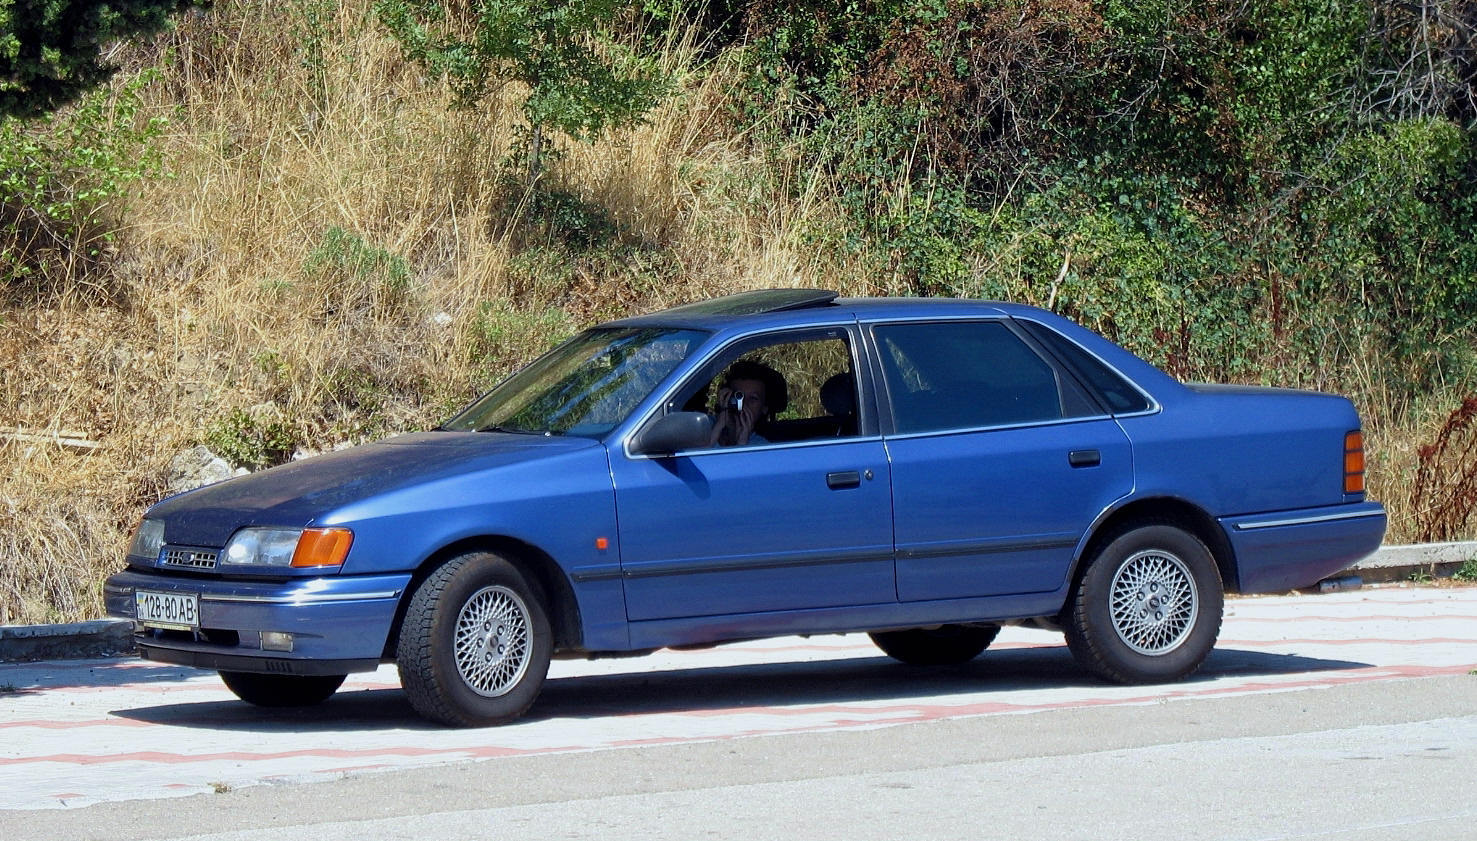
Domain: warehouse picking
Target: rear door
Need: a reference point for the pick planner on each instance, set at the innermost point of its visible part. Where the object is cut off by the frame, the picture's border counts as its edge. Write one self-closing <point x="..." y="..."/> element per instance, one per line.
<point x="1000" y="461"/>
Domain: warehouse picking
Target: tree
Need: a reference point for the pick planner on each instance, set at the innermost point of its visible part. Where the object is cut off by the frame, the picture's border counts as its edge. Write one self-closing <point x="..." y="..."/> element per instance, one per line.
<point x="51" y="51"/>
<point x="580" y="82"/>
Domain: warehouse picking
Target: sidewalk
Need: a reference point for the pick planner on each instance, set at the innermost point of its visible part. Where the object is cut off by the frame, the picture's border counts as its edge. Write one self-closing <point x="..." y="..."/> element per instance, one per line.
<point x="87" y="731"/>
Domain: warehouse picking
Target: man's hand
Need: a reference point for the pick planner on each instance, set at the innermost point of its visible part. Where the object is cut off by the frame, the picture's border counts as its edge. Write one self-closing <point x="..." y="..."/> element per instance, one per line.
<point x="723" y="419"/>
<point x="739" y="425"/>
<point x="746" y="419"/>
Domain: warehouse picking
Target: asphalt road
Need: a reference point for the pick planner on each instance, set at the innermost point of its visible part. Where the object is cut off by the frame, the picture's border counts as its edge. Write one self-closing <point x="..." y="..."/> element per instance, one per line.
<point x="1341" y="716"/>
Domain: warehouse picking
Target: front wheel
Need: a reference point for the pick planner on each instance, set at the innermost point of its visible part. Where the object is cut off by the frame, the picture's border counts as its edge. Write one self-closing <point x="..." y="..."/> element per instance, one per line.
<point x="282" y="690"/>
<point x="946" y="645"/>
<point x="475" y="644"/>
<point x="1148" y="608"/>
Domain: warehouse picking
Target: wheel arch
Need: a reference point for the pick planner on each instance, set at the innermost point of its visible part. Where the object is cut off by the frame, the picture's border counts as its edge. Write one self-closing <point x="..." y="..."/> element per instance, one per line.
<point x="1162" y="509"/>
<point x="544" y="572"/>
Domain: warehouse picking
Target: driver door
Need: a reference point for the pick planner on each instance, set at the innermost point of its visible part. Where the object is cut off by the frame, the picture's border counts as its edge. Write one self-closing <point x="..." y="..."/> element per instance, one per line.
<point x="801" y="520"/>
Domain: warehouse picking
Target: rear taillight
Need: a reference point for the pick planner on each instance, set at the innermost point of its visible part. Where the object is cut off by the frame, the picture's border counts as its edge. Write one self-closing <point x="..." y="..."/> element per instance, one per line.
<point x="1354" y="463"/>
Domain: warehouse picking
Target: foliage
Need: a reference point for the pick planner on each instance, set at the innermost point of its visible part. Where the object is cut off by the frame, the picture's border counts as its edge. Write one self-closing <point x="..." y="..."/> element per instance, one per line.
<point x="1467" y="571"/>
<point x="1444" y="495"/>
<point x="354" y="278"/>
<point x="311" y="30"/>
<point x="51" y="51"/>
<point x="245" y="439"/>
<point x="580" y="80"/>
<point x="1234" y="189"/>
<point x="65" y="180"/>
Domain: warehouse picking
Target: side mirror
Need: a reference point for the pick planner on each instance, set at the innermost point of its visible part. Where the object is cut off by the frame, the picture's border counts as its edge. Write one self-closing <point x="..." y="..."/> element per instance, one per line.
<point x="671" y="433"/>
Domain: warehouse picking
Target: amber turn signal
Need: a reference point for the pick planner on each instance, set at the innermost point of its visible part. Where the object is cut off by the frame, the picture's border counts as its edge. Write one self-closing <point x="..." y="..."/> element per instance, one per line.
<point x="322" y="547"/>
<point x="1354" y="463"/>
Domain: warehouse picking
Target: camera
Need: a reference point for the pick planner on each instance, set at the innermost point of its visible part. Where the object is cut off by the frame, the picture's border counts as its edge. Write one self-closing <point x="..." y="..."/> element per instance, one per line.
<point x="735" y="402"/>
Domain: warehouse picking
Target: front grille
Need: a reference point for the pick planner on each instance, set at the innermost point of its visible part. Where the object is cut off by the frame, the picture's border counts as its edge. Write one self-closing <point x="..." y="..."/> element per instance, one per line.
<point x="189" y="558"/>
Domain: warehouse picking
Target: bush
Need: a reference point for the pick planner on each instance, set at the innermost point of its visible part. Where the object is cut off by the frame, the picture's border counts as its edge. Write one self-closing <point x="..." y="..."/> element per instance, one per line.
<point x="53" y="51"/>
<point x="350" y="278"/>
<point x="64" y="186"/>
<point x="1444" y="496"/>
<point x="252" y="440"/>
<point x="1229" y="188"/>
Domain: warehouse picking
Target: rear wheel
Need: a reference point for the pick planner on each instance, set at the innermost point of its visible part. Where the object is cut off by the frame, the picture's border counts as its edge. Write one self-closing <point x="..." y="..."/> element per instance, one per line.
<point x="282" y="690"/>
<point x="946" y="645"/>
<point x="1148" y="608"/>
<point x="474" y="648"/>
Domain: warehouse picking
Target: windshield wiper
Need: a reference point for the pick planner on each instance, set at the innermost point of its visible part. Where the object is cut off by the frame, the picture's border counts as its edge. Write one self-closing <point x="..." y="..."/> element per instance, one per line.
<point x="508" y="429"/>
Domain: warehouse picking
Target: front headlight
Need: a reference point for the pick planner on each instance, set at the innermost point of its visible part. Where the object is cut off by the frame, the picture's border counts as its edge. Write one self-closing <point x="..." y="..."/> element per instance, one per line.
<point x="287" y="547"/>
<point x="148" y="540"/>
<point x="261" y="547"/>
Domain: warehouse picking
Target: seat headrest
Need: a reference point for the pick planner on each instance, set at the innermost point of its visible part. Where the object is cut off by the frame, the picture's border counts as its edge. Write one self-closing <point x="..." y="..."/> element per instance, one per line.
<point x="838" y="395"/>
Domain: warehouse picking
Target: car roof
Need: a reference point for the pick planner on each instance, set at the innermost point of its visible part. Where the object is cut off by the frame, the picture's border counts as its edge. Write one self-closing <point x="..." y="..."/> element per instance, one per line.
<point x="799" y="307"/>
<point x="746" y="313"/>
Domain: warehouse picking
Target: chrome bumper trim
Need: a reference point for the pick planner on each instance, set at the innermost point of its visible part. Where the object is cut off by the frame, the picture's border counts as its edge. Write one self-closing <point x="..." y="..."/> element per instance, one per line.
<point x="1305" y="521"/>
<point x="304" y="599"/>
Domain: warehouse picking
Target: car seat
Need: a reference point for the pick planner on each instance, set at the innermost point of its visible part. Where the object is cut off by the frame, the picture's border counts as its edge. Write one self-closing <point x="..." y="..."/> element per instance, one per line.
<point x="838" y="398"/>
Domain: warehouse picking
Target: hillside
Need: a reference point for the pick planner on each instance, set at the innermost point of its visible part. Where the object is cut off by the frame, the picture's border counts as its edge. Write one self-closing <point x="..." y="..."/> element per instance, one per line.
<point x="298" y="242"/>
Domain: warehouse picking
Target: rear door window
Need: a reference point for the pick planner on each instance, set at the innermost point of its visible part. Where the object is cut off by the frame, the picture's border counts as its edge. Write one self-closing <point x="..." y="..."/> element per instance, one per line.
<point x="969" y="374"/>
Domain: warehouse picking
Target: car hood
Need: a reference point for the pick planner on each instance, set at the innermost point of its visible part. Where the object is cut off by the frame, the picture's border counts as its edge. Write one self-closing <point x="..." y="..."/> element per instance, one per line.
<point x="302" y="492"/>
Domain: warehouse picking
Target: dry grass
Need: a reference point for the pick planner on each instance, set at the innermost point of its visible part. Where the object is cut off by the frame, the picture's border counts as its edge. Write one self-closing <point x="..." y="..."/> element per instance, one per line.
<point x="279" y="134"/>
<point x="225" y="295"/>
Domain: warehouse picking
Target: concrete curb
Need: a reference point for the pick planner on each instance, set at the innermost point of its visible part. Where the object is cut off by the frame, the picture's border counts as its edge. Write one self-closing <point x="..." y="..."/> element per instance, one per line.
<point x="72" y="641"/>
<point x="112" y="637"/>
<point x="1400" y="563"/>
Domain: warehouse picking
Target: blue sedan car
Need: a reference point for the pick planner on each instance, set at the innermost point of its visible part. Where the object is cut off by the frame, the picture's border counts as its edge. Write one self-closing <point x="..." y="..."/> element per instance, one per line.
<point x="763" y="464"/>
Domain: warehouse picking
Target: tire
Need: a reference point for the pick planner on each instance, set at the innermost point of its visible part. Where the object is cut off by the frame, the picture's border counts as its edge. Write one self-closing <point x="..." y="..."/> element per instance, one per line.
<point x="475" y="644"/>
<point x="282" y="690"/>
<point x="1148" y="608"/>
<point x="946" y="645"/>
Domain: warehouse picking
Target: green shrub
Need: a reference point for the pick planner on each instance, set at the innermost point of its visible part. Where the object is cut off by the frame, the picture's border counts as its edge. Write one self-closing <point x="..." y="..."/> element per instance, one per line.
<point x="245" y="440"/>
<point x="64" y="186"/>
<point x="54" y="51"/>
<point x="1230" y="188"/>
<point x="351" y="277"/>
<point x="580" y="78"/>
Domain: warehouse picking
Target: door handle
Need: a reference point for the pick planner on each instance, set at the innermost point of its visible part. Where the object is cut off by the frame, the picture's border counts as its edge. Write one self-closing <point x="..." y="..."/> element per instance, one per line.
<point x="1084" y="458"/>
<point x="843" y="479"/>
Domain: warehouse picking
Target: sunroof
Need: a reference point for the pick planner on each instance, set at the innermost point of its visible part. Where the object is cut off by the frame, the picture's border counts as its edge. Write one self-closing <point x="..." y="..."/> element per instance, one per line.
<point x="762" y="300"/>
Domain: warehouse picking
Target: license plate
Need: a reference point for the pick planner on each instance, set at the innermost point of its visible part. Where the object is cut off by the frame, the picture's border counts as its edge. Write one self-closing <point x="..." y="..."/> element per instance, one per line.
<point x="176" y="611"/>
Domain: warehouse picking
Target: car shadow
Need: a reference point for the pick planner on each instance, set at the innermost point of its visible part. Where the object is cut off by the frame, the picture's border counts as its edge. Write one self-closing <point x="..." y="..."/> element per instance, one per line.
<point x="734" y="687"/>
<point x="870" y="679"/>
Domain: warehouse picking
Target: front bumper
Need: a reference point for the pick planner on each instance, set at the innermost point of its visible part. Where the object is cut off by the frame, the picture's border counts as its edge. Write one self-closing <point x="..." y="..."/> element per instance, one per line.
<point x="338" y="624"/>
<point x="1284" y="550"/>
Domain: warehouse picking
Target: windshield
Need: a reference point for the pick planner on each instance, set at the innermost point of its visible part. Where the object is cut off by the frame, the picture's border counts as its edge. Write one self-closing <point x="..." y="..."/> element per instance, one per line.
<point x="583" y="387"/>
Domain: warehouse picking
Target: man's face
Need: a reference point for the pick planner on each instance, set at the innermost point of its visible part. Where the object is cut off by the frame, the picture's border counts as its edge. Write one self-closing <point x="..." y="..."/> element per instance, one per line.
<point x="753" y="392"/>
